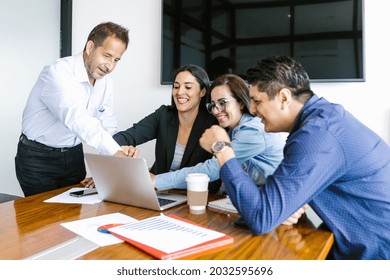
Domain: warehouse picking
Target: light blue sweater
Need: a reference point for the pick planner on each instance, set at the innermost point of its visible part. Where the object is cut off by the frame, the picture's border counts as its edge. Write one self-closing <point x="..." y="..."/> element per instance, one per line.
<point x="258" y="152"/>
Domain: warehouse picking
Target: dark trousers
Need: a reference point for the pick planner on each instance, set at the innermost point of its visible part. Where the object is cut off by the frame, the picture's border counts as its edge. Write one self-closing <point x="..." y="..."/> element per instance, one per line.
<point x="40" y="168"/>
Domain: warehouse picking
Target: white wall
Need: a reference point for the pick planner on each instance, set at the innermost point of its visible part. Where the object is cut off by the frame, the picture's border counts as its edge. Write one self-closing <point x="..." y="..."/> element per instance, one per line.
<point x="137" y="76"/>
<point x="29" y="38"/>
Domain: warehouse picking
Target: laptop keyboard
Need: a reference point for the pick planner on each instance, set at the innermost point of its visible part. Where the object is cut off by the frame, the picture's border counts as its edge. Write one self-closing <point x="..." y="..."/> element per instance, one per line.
<point x="164" y="201"/>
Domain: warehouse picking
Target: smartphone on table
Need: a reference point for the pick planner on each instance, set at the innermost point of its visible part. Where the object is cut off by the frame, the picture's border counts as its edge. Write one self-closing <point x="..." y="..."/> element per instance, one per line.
<point x="83" y="192"/>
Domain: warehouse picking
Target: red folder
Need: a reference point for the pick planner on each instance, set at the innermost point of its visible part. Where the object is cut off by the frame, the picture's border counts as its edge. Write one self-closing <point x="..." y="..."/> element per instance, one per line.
<point x="189" y="253"/>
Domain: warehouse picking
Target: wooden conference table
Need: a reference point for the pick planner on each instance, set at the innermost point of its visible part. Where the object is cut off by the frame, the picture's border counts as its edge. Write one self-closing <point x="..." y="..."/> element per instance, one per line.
<point x="29" y="225"/>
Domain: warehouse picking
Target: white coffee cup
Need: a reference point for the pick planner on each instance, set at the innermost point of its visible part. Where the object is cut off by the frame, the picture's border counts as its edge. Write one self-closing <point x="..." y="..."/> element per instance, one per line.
<point x="197" y="192"/>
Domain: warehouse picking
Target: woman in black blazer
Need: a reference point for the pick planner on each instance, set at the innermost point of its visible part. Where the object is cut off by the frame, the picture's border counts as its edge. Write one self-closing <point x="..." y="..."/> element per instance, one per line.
<point x="178" y="127"/>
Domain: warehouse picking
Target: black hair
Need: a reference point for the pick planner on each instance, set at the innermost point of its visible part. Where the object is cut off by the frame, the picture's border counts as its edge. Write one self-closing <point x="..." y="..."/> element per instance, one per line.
<point x="201" y="77"/>
<point x="106" y="29"/>
<point x="273" y="73"/>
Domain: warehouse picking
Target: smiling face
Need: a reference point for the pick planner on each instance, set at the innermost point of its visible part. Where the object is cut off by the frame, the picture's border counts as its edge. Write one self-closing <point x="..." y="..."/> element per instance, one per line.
<point x="186" y="92"/>
<point x="102" y="60"/>
<point x="231" y="115"/>
<point x="278" y="114"/>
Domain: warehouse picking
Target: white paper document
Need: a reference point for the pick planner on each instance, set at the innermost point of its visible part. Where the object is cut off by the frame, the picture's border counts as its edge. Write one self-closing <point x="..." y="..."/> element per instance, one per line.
<point x="166" y="234"/>
<point x="88" y="228"/>
<point x="65" y="197"/>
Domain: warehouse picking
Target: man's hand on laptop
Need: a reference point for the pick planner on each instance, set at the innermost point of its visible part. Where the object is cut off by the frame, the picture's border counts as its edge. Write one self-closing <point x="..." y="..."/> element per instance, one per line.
<point x="88" y="183"/>
<point x="120" y="153"/>
<point x="130" y="151"/>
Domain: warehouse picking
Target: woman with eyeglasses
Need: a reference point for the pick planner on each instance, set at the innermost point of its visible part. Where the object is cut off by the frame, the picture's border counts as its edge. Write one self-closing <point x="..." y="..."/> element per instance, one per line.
<point x="177" y="128"/>
<point x="229" y="103"/>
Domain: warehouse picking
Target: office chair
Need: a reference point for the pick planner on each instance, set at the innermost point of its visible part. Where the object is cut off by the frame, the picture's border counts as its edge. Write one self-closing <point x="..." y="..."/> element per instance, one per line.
<point x="7" y="197"/>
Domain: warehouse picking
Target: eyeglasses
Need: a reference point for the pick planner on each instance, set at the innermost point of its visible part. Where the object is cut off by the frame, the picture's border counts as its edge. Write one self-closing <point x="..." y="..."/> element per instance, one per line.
<point x="220" y="105"/>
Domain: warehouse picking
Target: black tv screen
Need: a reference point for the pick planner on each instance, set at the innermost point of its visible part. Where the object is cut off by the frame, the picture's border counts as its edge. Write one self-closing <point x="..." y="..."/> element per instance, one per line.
<point x="232" y="35"/>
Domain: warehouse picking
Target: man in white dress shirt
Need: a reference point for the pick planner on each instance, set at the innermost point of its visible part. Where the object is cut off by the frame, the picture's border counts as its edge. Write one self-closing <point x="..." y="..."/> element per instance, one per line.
<point x="71" y="103"/>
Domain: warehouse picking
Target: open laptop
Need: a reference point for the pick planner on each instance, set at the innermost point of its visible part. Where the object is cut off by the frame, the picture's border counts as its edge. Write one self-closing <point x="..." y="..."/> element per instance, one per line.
<point x="127" y="181"/>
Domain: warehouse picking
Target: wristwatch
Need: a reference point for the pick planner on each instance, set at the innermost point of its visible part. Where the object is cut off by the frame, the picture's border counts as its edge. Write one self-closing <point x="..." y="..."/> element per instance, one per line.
<point x="219" y="146"/>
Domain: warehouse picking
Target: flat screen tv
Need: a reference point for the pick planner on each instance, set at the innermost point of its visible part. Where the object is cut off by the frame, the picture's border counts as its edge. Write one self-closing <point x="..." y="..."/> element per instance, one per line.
<point x="232" y="35"/>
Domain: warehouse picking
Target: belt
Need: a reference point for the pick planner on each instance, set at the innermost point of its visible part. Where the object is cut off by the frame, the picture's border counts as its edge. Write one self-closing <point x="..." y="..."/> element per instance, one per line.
<point x="41" y="146"/>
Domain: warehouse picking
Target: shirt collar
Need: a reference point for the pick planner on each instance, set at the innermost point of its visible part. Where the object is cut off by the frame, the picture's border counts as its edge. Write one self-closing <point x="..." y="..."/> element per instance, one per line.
<point x="80" y="71"/>
<point x="303" y="113"/>
<point x="244" y="118"/>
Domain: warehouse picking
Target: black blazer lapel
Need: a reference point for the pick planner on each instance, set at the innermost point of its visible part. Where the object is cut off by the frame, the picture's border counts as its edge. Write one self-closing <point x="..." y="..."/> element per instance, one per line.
<point x="193" y="142"/>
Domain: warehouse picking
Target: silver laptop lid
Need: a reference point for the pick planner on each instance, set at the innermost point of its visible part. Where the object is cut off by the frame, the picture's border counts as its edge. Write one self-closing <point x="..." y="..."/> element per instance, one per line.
<point x="127" y="181"/>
